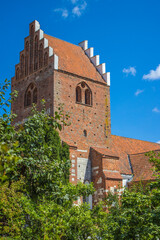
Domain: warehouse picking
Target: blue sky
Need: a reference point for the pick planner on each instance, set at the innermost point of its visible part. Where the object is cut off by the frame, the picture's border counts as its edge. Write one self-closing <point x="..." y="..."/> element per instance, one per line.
<point x="126" y="35"/>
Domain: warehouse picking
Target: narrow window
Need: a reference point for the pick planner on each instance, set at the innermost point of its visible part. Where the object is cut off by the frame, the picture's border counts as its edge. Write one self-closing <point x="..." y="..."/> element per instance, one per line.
<point x="30" y="95"/>
<point x="26" y="58"/>
<point x="22" y="65"/>
<point x="78" y="95"/>
<point x="32" y="30"/>
<point x="28" y="100"/>
<point x="87" y="97"/>
<point x="27" y="47"/>
<point x="36" y="53"/>
<point x="31" y="49"/>
<point x="45" y="59"/>
<point x="35" y="95"/>
<point x="26" y="65"/>
<point x="85" y="133"/>
<point x="17" y="74"/>
<point x="41" y="55"/>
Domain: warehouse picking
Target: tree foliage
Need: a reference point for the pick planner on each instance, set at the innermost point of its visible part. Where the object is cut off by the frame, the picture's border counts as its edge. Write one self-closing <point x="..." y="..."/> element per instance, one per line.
<point x="37" y="201"/>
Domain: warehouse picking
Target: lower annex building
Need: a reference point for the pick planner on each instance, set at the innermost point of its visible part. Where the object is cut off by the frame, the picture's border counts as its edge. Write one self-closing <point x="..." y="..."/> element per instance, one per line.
<point x="63" y="73"/>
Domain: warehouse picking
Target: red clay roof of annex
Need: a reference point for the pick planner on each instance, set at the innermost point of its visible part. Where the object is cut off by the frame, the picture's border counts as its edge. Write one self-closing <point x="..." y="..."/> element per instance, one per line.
<point x="124" y="146"/>
<point x="142" y="168"/>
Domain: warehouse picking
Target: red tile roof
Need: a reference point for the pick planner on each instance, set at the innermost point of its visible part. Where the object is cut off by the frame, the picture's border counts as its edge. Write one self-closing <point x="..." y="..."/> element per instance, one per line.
<point x="142" y="168"/>
<point x="72" y="59"/>
<point x="112" y="175"/>
<point x="125" y="146"/>
<point x="106" y="152"/>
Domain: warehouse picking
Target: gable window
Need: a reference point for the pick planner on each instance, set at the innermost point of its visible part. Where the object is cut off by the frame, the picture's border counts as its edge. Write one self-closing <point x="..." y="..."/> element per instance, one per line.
<point x="87" y="97"/>
<point x="35" y="95"/>
<point x="83" y="94"/>
<point x="26" y="58"/>
<point x="22" y="65"/>
<point x="30" y="95"/>
<point x="78" y="95"/>
<point x="41" y="55"/>
<point x="45" y="59"/>
<point x="28" y="98"/>
<point x="36" y="53"/>
<point x="17" y="73"/>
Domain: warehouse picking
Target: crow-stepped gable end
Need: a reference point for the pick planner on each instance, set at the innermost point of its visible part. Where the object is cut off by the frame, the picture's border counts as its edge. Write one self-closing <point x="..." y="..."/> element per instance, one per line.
<point x="101" y="68"/>
<point x="68" y="74"/>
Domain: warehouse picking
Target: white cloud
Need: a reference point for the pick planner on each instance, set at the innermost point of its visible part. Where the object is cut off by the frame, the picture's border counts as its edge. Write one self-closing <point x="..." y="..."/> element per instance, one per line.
<point x="130" y="70"/>
<point x="139" y="91"/>
<point x="153" y="74"/>
<point x="79" y="9"/>
<point x="158" y="142"/>
<point x="64" y="12"/>
<point x="76" y="10"/>
<point x="156" y="110"/>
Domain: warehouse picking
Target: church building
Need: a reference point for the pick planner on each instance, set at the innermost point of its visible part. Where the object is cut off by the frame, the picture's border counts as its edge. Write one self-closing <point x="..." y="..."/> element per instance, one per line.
<point x="68" y="74"/>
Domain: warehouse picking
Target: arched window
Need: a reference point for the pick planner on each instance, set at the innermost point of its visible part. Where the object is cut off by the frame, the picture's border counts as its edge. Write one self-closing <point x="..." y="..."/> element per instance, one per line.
<point x="45" y="59"/>
<point x="26" y="58"/>
<point x="28" y="102"/>
<point x="78" y="95"/>
<point x="41" y="55"/>
<point x="83" y="94"/>
<point x="32" y="30"/>
<point x="35" y="95"/>
<point x="17" y="74"/>
<point x="27" y="47"/>
<point x="26" y="65"/>
<point x="31" y="49"/>
<point x="30" y="95"/>
<point x="87" y="97"/>
<point x="36" y="53"/>
<point x="22" y="65"/>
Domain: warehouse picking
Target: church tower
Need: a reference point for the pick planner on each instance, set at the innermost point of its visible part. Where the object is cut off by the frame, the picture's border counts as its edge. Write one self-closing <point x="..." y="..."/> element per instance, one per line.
<point x="63" y="73"/>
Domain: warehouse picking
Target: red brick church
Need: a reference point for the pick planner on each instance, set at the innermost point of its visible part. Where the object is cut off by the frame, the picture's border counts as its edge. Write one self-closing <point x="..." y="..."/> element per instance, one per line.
<point x="64" y="73"/>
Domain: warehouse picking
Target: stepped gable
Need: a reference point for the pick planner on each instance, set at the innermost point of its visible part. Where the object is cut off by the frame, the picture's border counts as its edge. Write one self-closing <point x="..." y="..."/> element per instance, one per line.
<point x="36" y="54"/>
<point x="73" y="59"/>
<point x="124" y="146"/>
<point x="142" y="168"/>
<point x="40" y="50"/>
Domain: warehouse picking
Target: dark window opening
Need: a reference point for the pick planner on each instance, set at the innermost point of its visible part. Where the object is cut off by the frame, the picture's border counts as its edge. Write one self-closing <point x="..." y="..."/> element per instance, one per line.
<point x="28" y="102"/>
<point x="83" y="94"/>
<point x="78" y="95"/>
<point x="17" y="74"/>
<point x="85" y="133"/>
<point x="30" y="95"/>
<point x="26" y="65"/>
<point x="32" y="30"/>
<point x="36" y="53"/>
<point x="35" y="95"/>
<point x="87" y="97"/>
<point x="31" y="50"/>
<point x="26" y="58"/>
<point x="22" y="65"/>
<point x="83" y="85"/>
<point x="45" y="59"/>
<point x="41" y="55"/>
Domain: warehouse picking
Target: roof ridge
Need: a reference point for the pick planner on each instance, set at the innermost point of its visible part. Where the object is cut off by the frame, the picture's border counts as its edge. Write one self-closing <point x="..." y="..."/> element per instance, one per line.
<point x="136" y="139"/>
<point x="144" y="152"/>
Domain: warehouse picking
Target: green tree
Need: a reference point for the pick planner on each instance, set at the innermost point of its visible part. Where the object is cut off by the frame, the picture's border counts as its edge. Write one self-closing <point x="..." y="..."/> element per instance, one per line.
<point x="136" y="215"/>
<point x="37" y="201"/>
